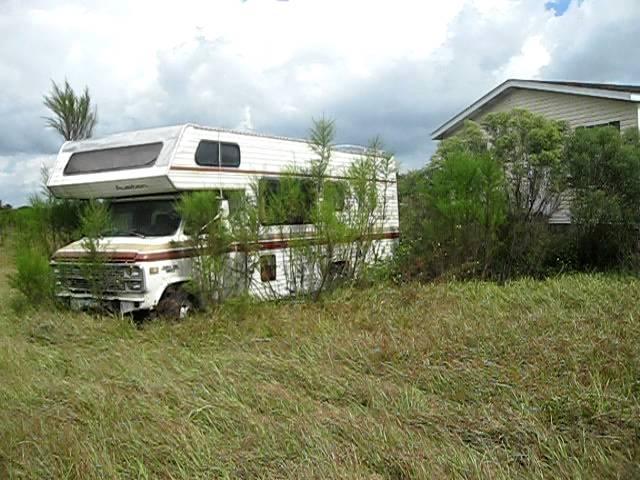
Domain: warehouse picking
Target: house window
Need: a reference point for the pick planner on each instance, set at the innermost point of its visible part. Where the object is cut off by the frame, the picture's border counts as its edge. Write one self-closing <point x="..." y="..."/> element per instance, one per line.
<point x="286" y="201"/>
<point x="614" y="124"/>
<point x="268" y="268"/>
<point x="218" y="154"/>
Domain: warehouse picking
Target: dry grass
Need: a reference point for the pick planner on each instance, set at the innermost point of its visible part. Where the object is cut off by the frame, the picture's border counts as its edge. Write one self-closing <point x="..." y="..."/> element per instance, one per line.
<point x="460" y="380"/>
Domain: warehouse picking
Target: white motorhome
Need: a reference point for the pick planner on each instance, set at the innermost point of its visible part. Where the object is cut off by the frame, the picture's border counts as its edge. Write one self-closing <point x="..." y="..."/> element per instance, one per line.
<point x="142" y="173"/>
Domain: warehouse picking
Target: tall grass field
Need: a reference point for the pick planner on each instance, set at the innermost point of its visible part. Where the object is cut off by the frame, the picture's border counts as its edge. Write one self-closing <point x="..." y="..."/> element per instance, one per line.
<point x="532" y="379"/>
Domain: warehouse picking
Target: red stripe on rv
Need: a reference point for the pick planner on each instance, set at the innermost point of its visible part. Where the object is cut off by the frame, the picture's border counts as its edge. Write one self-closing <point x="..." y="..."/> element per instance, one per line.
<point x="130" y="257"/>
<point x="263" y="172"/>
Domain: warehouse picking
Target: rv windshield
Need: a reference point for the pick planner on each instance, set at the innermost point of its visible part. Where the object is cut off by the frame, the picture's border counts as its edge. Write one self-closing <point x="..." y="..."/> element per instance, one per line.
<point x="144" y="218"/>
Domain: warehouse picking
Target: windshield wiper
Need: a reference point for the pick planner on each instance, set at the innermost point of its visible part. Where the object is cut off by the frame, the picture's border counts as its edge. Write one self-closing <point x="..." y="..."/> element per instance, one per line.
<point x="135" y="233"/>
<point x="128" y="233"/>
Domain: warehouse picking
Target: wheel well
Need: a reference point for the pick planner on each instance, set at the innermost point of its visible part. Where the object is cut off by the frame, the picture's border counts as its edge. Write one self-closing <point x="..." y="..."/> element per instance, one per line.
<point x="174" y="287"/>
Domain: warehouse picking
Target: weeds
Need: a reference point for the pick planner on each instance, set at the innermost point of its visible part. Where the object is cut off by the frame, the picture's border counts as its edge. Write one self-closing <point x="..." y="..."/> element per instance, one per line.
<point x="529" y="380"/>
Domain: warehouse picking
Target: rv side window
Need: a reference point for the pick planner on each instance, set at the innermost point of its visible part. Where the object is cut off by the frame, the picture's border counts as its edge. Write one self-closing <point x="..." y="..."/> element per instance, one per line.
<point x="268" y="268"/>
<point x="229" y="155"/>
<point x="286" y="201"/>
<point x="109" y="159"/>
<point x="207" y="153"/>
<point x="217" y="154"/>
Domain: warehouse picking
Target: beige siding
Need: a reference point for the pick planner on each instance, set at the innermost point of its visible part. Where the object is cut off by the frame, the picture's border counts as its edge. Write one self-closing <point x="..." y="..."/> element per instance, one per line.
<point x="577" y="110"/>
<point x="563" y="213"/>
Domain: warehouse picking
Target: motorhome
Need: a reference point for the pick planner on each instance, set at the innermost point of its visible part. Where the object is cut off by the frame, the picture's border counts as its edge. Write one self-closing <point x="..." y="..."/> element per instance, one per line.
<point x="141" y="174"/>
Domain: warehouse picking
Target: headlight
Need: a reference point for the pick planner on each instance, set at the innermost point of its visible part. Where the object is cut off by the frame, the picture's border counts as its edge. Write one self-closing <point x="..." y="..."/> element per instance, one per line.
<point x="133" y="272"/>
<point x="134" y="285"/>
<point x="134" y="279"/>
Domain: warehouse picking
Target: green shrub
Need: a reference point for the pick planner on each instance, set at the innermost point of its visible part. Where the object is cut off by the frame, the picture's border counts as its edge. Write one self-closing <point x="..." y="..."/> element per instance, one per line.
<point x="33" y="278"/>
<point x="447" y="228"/>
<point x="38" y="230"/>
<point x="7" y="222"/>
<point x="463" y="208"/>
<point x="533" y="249"/>
<point x="48" y="223"/>
<point x="604" y="169"/>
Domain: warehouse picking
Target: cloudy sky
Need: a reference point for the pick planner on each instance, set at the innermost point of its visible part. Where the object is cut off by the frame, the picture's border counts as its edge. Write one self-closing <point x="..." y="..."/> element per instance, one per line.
<point x="395" y="68"/>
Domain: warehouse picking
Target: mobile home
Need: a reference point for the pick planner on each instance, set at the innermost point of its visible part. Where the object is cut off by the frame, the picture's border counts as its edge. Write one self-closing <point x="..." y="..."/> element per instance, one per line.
<point x="141" y="174"/>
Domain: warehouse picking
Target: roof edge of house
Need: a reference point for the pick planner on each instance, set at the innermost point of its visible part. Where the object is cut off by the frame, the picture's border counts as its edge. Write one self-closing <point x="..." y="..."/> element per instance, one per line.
<point x="629" y="93"/>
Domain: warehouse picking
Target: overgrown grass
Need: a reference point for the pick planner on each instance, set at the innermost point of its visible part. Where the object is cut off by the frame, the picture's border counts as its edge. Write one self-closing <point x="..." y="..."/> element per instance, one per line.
<point x="463" y="380"/>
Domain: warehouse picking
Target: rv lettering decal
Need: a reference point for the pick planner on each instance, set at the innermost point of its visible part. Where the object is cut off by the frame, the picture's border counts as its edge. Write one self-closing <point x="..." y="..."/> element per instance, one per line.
<point x="131" y="186"/>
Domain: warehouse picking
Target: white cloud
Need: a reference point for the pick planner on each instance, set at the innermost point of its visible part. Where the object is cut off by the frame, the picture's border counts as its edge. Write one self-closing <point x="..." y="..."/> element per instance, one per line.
<point x="20" y="176"/>
<point x="396" y="68"/>
<point x="595" y="40"/>
<point x="532" y="58"/>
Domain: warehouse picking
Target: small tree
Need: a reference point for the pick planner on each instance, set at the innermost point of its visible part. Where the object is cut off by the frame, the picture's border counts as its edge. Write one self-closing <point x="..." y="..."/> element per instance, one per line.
<point x="415" y="214"/>
<point x="331" y="224"/>
<point x="211" y="242"/>
<point x="49" y="222"/>
<point x="6" y="220"/>
<point x="286" y="206"/>
<point x="350" y="215"/>
<point x="95" y="221"/>
<point x="384" y="172"/>
<point x="472" y="219"/>
<point x="245" y="228"/>
<point x="328" y="228"/>
<point x="467" y="204"/>
<point x="321" y="137"/>
<point x="530" y="149"/>
<point x="363" y="215"/>
<point x="33" y="279"/>
<point x="73" y="116"/>
<point x="470" y="139"/>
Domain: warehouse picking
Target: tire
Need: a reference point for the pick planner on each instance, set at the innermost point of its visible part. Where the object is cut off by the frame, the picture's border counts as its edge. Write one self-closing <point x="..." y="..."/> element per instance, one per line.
<point x="175" y="304"/>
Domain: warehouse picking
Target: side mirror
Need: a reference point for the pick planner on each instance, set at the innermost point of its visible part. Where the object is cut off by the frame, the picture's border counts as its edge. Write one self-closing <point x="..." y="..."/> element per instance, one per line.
<point x="224" y="208"/>
<point x="223" y="215"/>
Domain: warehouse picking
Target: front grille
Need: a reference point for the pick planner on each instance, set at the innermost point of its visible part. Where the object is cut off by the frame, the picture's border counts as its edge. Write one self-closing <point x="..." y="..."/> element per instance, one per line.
<point x="102" y="278"/>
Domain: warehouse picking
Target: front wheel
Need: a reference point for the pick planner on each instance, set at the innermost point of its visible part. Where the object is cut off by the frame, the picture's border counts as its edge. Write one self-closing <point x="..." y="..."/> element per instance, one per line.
<point x="175" y="304"/>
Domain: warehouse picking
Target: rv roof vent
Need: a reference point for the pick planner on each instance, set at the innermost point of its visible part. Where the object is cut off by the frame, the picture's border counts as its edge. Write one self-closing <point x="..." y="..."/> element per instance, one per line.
<point x="347" y="148"/>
